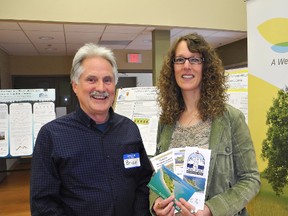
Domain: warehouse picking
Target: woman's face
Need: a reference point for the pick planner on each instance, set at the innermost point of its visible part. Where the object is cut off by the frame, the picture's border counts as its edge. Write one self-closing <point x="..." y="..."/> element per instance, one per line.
<point x="188" y="75"/>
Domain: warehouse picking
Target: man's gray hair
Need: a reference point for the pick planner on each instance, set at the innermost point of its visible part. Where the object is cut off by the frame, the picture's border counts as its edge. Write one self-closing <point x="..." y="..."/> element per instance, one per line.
<point x="87" y="51"/>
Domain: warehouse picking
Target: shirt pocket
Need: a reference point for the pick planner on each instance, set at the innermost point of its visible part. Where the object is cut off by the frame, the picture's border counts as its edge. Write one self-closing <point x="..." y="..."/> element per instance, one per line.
<point x="223" y="170"/>
<point x="224" y="160"/>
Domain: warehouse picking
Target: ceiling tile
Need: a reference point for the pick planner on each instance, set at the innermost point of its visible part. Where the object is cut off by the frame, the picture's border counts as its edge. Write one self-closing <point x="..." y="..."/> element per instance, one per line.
<point x="82" y="37"/>
<point x="68" y="37"/>
<point x="137" y="46"/>
<point x="230" y="34"/>
<point x="9" y="26"/>
<point x="115" y="47"/>
<point x="21" y="48"/>
<point x="35" y="36"/>
<point x="29" y="26"/>
<point x="13" y="36"/>
<point x="72" y="48"/>
<point x="124" y="29"/>
<point x="117" y="37"/>
<point x="84" y="28"/>
<point x="57" y="49"/>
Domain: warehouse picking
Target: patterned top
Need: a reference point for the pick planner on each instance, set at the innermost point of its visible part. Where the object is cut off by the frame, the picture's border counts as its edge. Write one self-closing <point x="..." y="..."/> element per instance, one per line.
<point x="79" y="170"/>
<point x="195" y="135"/>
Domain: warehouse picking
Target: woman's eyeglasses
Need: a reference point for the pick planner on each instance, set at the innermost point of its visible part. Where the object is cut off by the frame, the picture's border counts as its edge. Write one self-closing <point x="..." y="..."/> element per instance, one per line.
<point x="192" y="60"/>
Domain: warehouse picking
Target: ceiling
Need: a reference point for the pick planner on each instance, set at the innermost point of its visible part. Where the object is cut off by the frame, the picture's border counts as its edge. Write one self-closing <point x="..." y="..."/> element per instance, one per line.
<point x="60" y="39"/>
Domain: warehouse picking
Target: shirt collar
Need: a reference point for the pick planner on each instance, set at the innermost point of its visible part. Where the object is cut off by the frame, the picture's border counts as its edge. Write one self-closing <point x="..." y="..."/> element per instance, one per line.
<point x="87" y="120"/>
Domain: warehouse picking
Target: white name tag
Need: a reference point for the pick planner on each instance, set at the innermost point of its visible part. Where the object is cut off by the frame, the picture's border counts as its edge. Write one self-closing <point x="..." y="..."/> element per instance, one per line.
<point x="131" y="160"/>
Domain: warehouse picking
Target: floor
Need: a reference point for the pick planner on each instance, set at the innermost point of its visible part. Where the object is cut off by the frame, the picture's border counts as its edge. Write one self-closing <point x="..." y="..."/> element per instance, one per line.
<point x="14" y="192"/>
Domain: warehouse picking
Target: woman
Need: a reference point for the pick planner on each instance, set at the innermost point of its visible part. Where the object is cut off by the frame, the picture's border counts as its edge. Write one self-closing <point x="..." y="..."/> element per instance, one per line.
<point x="192" y="95"/>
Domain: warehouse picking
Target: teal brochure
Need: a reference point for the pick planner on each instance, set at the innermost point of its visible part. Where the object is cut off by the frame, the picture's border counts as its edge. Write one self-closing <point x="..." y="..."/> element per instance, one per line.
<point x="166" y="183"/>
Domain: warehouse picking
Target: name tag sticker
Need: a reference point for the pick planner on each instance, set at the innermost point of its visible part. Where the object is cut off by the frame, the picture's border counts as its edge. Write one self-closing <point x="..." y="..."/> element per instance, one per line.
<point x="131" y="160"/>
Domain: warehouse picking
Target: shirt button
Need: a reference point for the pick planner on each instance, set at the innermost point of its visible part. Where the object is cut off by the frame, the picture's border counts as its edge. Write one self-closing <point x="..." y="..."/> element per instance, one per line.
<point x="107" y="157"/>
<point x="227" y="149"/>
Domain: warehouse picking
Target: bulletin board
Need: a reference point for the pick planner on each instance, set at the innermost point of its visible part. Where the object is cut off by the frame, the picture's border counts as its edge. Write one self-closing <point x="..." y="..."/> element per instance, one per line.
<point x="22" y="113"/>
<point x="238" y="89"/>
<point x="140" y="105"/>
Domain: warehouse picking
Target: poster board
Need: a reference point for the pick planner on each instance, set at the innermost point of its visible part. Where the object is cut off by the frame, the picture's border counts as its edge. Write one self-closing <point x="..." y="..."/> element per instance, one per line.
<point x="140" y="105"/>
<point x="238" y="89"/>
<point x="22" y="113"/>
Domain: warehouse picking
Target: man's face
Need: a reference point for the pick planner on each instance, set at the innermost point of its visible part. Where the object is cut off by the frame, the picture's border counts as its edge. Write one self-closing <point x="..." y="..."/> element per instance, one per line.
<point x="96" y="87"/>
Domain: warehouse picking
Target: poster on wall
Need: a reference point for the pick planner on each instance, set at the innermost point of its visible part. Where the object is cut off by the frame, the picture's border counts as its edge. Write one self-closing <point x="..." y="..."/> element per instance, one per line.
<point x="139" y="104"/>
<point x="238" y="89"/>
<point x="22" y="113"/>
<point x="267" y="42"/>
<point x="267" y="34"/>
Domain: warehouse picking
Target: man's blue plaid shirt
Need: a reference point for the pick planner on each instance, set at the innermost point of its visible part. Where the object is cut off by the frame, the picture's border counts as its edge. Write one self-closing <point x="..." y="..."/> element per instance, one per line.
<point x="79" y="170"/>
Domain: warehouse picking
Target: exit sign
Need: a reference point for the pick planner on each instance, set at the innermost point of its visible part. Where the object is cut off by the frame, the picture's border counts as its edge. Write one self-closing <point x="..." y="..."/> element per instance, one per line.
<point x="134" y="58"/>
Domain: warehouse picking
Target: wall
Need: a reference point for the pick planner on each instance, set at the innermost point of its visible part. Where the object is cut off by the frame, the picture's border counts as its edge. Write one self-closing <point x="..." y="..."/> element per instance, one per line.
<point x="121" y="57"/>
<point x="4" y="71"/>
<point x="143" y="79"/>
<point x="234" y="54"/>
<point x="39" y="65"/>
<point x="221" y="14"/>
<point x="61" y="65"/>
<point x="231" y="54"/>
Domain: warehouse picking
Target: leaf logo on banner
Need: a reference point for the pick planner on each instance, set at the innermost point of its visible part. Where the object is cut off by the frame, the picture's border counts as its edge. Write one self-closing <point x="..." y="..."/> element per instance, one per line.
<point x="275" y="31"/>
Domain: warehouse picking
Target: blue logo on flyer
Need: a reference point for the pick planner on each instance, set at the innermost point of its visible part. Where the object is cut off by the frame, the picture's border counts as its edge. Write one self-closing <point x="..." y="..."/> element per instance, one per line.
<point x="195" y="164"/>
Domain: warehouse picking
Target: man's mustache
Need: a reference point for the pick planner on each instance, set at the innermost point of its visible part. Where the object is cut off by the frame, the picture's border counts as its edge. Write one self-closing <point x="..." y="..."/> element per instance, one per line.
<point x="99" y="94"/>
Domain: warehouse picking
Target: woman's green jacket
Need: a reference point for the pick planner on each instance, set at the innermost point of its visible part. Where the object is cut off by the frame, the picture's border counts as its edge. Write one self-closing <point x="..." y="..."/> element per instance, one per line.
<point x="233" y="178"/>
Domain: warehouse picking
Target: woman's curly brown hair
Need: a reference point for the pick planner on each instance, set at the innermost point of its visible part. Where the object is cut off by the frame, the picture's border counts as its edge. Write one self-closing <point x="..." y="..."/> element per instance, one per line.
<point x="213" y="86"/>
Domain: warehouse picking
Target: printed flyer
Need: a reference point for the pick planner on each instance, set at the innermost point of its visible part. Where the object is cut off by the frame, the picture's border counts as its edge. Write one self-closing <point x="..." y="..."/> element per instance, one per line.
<point x="166" y="183"/>
<point x="173" y="159"/>
<point x="195" y="172"/>
<point x="186" y="177"/>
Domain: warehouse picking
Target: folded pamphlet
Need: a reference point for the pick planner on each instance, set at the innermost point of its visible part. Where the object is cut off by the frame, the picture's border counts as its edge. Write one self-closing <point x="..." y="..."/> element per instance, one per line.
<point x="186" y="178"/>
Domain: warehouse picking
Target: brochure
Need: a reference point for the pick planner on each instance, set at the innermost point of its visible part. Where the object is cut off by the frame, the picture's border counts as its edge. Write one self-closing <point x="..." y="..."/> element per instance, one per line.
<point x="179" y="154"/>
<point x="182" y="172"/>
<point x="195" y="172"/>
<point x="166" y="183"/>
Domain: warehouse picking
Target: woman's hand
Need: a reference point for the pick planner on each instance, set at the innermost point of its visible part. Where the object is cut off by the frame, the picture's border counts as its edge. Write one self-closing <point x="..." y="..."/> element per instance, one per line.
<point x="189" y="210"/>
<point x="164" y="207"/>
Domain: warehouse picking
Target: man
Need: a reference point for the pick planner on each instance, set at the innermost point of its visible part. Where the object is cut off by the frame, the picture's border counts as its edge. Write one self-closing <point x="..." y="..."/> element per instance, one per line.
<point x="91" y="161"/>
